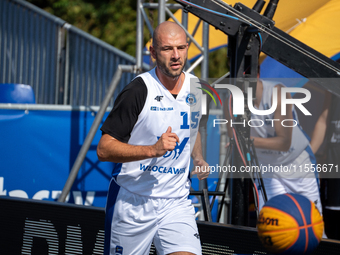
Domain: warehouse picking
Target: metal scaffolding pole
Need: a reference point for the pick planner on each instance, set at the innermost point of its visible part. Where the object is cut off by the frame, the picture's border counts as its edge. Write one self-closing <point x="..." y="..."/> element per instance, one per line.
<point x="205" y="62"/>
<point x="204" y="75"/>
<point x="161" y="11"/>
<point x="164" y="9"/>
<point x="139" y="36"/>
<point x="95" y="125"/>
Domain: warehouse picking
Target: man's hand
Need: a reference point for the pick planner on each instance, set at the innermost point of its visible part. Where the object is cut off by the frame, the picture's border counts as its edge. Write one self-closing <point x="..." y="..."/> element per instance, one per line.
<point x="167" y="142"/>
<point x="201" y="169"/>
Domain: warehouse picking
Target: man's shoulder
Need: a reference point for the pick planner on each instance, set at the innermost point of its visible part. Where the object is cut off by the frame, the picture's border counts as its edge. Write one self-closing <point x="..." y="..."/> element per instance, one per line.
<point x="148" y="74"/>
<point x="136" y="84"/>
<point x="148" y="78"/>
<point x="135" y="89"/>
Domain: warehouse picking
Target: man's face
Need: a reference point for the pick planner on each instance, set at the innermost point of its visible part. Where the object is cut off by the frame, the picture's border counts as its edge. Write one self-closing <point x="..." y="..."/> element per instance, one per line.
<point x="171" y="53"/>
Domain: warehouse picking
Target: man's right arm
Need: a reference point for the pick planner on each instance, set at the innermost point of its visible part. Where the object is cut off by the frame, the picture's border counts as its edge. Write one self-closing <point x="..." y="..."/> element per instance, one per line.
<point x="110" y="149"/>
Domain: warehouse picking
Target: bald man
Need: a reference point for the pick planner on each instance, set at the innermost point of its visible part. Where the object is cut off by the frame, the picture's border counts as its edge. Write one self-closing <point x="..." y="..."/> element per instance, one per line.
<point x="150" y="135"/>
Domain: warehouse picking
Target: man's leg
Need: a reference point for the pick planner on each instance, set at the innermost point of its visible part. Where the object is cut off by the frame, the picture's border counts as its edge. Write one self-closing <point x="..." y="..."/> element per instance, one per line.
<point x="130" y="223"/>
<point x="177" y="232"/>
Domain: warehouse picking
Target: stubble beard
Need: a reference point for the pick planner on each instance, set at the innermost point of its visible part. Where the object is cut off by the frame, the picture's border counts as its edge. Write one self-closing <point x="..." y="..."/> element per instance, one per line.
<point x="165" y="70"/>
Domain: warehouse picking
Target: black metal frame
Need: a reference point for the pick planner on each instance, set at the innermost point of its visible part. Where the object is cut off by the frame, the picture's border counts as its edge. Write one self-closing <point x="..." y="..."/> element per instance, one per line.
<point x="250" y="33"/>
<point x="274" y="42"/>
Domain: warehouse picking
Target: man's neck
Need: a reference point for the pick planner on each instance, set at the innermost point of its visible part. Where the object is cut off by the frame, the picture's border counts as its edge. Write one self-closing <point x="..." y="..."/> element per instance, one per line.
<point x="174" y="85"/>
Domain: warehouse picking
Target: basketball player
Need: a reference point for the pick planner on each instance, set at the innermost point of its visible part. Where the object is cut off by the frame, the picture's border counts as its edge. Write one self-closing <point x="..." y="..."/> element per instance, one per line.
<point x="327" y="128"/>
<point x="284" y="148"/>
<point x="150" y="134"/>
<point x="284" y="145"/>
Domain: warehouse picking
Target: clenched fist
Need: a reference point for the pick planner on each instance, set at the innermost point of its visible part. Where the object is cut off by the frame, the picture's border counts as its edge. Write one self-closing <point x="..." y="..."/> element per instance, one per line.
<point x="167" y="142"/>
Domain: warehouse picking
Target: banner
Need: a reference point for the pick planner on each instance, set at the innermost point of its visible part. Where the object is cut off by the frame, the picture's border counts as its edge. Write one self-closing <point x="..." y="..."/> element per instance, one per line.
<point x="37" y="152"/>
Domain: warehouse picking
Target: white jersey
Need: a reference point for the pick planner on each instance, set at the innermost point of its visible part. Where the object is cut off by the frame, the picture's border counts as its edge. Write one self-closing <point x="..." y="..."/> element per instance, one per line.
<point x="299" y="141"/>
<point x="166" y="176"/>
<point x="292" y="178"/>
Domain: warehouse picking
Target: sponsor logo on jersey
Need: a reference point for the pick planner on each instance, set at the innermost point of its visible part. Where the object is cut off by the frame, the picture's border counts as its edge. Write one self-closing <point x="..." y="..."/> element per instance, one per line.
<point x="162" y="169"/>
<point x="155" y="108"/>
<point x="166" y="108"/>
<point x="158" y="98"/>
<point x="178" y="149"/>
<point x="119" y="250"/>
<point x="197" y="235"/>
<point x="191" y="99"/>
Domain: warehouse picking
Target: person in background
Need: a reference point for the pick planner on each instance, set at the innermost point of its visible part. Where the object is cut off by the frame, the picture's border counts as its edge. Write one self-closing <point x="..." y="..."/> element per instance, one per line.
<point x="327" y="128"/>
<point x="281" y="146"/>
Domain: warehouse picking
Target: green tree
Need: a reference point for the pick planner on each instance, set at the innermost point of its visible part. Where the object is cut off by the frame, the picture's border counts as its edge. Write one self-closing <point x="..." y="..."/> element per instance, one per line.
<point x="114" y="22"/>
<point x="109" y="20"/>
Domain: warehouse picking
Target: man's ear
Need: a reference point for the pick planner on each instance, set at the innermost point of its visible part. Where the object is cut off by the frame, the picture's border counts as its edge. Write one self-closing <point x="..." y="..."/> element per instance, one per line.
<point x="152" y="51"/>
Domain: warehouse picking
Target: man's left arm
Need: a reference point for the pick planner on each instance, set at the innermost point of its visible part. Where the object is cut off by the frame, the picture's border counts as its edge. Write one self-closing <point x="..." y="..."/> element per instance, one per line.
<point x="201" y="166"/>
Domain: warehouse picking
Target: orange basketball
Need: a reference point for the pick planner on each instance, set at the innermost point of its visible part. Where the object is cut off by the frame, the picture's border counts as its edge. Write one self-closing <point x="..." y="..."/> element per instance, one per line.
<point x="290" y="224"/>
